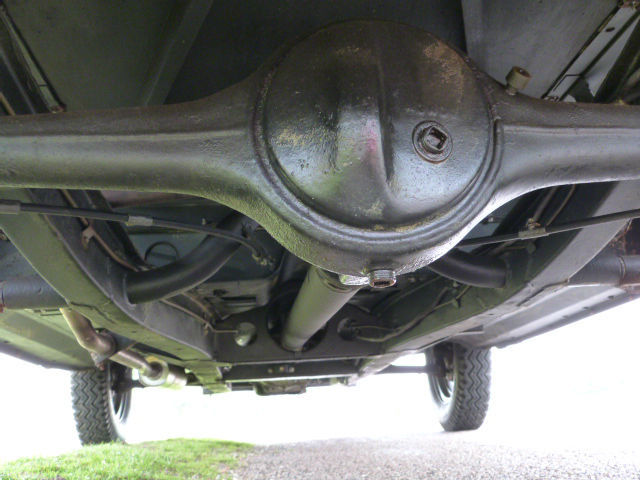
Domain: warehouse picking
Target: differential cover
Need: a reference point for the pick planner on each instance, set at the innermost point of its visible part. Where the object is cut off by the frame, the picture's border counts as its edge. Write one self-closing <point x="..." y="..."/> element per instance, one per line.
<point x="377" y="125"/>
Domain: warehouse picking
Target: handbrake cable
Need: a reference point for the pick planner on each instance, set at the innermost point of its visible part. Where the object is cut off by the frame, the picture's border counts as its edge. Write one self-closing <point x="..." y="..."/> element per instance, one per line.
<point x="14" y="207"/>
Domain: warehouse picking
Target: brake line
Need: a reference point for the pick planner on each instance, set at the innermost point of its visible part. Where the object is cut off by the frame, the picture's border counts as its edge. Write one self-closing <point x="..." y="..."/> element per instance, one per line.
<point x="96" y="236"/>
<point x="14" y="207"/>
<point x="539" y="232"/>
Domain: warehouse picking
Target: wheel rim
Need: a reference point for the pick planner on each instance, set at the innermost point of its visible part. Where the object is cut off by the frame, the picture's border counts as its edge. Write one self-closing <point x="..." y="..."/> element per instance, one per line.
<point x="442" y="387"/>
<point x="119" y="398"/>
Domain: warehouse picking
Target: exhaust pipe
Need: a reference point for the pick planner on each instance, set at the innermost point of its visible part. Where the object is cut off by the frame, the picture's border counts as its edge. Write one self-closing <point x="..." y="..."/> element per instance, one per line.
<point x="609" y="268"/>
<point x="29" y="292"/>
<point x="165" y="375"/>
<point x="153" y="371"/>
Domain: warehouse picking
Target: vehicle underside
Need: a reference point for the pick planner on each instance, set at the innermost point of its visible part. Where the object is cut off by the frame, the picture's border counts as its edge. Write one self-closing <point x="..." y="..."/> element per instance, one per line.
<point x="276" y="195"/>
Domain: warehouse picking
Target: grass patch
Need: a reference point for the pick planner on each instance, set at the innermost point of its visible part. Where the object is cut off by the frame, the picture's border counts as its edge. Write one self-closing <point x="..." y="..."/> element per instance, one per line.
<point x="168" y="459"/>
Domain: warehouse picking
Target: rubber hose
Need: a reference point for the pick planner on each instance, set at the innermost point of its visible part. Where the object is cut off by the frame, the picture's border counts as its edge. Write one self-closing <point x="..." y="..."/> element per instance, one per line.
<point x="469" y="269"/>
<point x="189" y="271"/>
<point x="609" y="268"/>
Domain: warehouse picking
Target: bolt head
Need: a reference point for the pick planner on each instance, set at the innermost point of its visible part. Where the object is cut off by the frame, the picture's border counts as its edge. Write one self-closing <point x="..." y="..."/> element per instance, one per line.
<point x="517" y="79"/>
<point x="432" y="142"/>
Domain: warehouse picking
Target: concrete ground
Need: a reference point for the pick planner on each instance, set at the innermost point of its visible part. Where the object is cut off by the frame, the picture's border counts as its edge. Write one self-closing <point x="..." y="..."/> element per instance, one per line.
<point x="434" y="456"/>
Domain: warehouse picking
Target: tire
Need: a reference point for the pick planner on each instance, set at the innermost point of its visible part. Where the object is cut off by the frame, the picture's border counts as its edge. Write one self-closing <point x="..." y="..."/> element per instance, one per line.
<point x="100" y="408"/>
<point x="462" y="395"/>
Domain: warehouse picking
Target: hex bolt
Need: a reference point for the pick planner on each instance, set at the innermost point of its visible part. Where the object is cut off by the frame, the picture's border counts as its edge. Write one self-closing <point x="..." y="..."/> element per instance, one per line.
<point x="517" y="79"/>
<point x="382" y="278"/>
<point x="633" y="4"/>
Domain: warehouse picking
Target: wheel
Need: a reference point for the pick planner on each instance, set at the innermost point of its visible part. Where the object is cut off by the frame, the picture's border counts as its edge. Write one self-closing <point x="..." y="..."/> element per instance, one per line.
<point x="461" y="389"/>
<point x="101" y="403"/>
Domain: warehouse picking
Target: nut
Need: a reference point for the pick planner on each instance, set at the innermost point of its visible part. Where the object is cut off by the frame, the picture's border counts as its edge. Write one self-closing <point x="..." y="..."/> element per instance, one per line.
<point x="245" y="334"/>
<point x="382" y="278"/>
<point x="517" y="79"/>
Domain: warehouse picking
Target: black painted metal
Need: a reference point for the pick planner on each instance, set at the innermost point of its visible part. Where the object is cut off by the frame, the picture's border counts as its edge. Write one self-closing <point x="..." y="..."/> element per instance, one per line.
<point x="266" y="349"/>
<point x="539" y="232"/>
<point x="319" y="299"/>
<point x="290" y="371"/>
<point x="476" y="270"/>
<point x="395" y="369"/>
<point x="188" y="272"/>
<point x="29" y="292"/>
<point x="322" y="157"/>
<point x="609" y="268"/>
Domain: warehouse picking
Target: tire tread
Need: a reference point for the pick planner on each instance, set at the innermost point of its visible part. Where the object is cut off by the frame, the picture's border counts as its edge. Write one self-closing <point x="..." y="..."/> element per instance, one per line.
<point x="469" y="402"/>
<point x="89" y="395"/>
<point x="472" y="389"/>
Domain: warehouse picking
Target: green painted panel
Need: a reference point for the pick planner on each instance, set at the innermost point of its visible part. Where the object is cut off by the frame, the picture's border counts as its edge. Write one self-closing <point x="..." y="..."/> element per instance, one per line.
<point x="96" y="54"/>
<point x="44" y="336"/>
